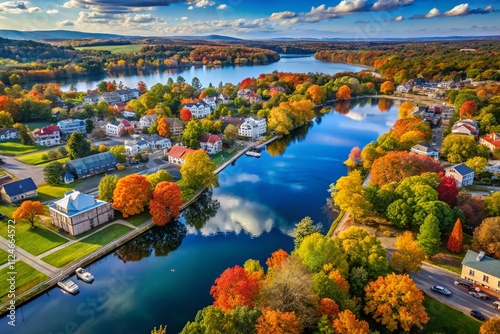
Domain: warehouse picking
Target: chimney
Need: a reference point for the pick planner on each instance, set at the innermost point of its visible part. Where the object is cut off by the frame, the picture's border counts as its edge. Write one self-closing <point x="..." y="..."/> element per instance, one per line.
<point x="480" y="256"/>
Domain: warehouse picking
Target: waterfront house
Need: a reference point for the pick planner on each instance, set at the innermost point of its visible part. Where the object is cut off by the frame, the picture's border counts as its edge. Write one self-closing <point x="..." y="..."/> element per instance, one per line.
<point x="211" y="143"/>
<point x="253" y="127"/>
<point x="463" y="175"/>
<point x="198" y="109"/>
<point x="8" y="134"/>
<point x="19" y="190"/>
<point x="48" y="136"/>
<point x="68" y="126"/>
<point x="491" y="141"/>
<point x="249" y="96"/>
<point x="147" y="120"/>
<point x="135" y="146"/>
<point x="91" y="165"/>
<point x="425" y="149"/>
<point x="176" y="126"/>
<point x="78" y="212"/>
<point x="178" y="153"/>
<point x="481" y="269"/>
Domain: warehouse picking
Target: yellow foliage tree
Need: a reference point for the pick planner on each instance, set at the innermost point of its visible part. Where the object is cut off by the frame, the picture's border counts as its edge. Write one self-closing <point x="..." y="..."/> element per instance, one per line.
<point x="405" y="109"/>
<point x="348" y="194"/>
<point x="29" y="211"/>
<point x="491" y="326"/>
<point x="199" y="171"/>
<point x="409" y="255"/>
<point x="315" y="93"/>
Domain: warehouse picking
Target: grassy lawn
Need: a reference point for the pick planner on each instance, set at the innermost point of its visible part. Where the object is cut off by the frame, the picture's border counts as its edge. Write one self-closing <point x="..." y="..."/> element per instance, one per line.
<point x="222" y="156"/>
<point x="37" y="125"/>
<point x="36" y="159"/>
<point x="448" y="260"/>
<point x="88" y="245"/>
<point x="114" y="48"/>
<point x="26" y="278"/>
<point x="48" y="192"/>
<point x="4" y="256"/>
<point x="35" y="241"/>
<point x="16" y="148"/>
<point x="61" y="160"/>
<point x="138" y="219"/>
<point x="444" y="319"/>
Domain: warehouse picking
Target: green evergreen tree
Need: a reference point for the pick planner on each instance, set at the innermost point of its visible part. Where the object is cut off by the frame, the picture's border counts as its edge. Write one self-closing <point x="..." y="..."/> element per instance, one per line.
<point x="89" y="125"/>
<point x="53" y="173"/>
<point x="429" y="238"/>
<point x="107" y="186"/>
<point x="78" y="147"/>
<point x="304" y="228"/>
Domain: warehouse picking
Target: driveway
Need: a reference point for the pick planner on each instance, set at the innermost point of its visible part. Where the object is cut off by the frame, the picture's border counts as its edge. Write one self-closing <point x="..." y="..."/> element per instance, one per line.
<point x="22" y="170"/>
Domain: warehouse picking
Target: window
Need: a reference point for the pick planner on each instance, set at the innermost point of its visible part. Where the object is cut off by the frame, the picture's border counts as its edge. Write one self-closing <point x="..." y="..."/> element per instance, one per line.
<point x="471" y="272"/>
<point x="485" y="278"/>
<point x="498" y="284"/>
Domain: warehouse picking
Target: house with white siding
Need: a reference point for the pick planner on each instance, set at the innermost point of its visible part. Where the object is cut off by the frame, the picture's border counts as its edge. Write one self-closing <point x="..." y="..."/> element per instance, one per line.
<point x="8" y="134"/>
<point x="48" y="136"/>
<point x="463" y="175"/>
<point x="198" y="109"/>
<point x="211" y="143"/>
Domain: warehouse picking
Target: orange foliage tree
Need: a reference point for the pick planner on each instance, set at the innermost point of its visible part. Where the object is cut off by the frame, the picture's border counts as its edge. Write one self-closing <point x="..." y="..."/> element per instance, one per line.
<point x="29" y="211"/>
<point x="405" y="109"/>
<point x="340" y="281"/>
<point x="315" y="93"/>
<point x="329" y="308"/>
<point x="234" y="287"/>
<point x="276" y="259"/>
<point x="166" y="202"/>
<point x="468" y="109"/>
<point x="249" y="83"/>
<point x="387" y="87"/>
<point x="131" y="194"/>
<point x="344" y="93"/>
<point x="395" y="166"/>
<point x="277" y="322"/>
<point x="186" y="115"/>
<point x="490" y="326"/>
<point x="142" y="87"/>
<point x="347" y="323"/>
<point x="455" y="242"/>
<point x="396" y="302"/>
<point x="163" y="128"/>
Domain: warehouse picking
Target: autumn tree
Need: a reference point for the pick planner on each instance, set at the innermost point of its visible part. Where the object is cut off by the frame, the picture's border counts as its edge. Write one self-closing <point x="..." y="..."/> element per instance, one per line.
<point x="199" y="171"/>
<point x="106" y="187"/>
<point x="492" y="204"/>
<point x="405" y="109"/>
<point x="315" y="93"/>
<point x="468" y="109"/>
<point x="186" y="115"/>
<point x="448" y="191"/>
<point x="29" y="211"/>
<point x="276" y="259"/>
<point x="166" y="203"/>
<point x="329" y="308"/>
<point x="354" y="158"/>
<point x="408" y="256"/>
<point x="160" y="176"/>
<point x="131" y="194"/>
<point x="429" y="238"/>
<point x="344" y="93"/>
<point x="53" y="173"/>
<point x="234" y="287"/>
<point x="317" y="250"/>
<point x="458" y="148"/>
<point x="487" y="237"/>
<point x="119" y="152"/>
<point x="346" y="323"/>
<point x="191" y="134"/>
<point x="349" y="194"/>
<point x="273" y="321"/>
<point x="477" y="164"/>
<point x="473" y="209"/>
<point x="396" y="302"/>
<point x="231" y="132"/>
<point x="254" y="268"/>
<point x="491" y="326"/>
<point x="387" y="88"/>
<point x="163" y="128"/>
<point x="455" y="242"/>
<point x="78" y="147"/>
<point x="302" y="229"/>
<point x="6" y="120"/>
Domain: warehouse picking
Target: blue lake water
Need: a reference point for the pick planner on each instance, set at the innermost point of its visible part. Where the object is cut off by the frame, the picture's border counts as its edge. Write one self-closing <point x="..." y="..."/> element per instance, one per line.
<point x="251" y="214"/>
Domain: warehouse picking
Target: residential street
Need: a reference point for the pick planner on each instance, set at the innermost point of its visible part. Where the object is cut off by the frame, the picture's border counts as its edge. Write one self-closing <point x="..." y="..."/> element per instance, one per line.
<point x="22" y="170"/>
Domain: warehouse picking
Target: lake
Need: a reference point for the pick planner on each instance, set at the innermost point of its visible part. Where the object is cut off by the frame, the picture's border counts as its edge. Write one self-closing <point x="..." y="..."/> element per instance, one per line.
<point x="214" y="75"/>
<point x="164" y="276"/>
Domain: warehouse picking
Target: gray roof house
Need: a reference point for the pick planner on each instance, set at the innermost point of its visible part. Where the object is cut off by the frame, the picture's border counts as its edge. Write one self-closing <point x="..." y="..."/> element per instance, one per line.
<point x="19" y="190"/>
<point x="481" y="269"/>
<point x="425" y="149"/>
<point x="463" y="175"/>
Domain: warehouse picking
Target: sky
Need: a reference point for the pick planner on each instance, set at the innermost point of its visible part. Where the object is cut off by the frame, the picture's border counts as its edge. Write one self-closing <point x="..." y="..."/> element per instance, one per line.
<point x="258" y="19"/>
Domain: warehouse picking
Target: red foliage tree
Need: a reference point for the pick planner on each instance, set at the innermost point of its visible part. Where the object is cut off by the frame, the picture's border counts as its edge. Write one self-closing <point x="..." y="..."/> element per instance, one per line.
<point x="448" y="191"/>
<point x="355" y="155"/>
<point x="468" y="109"/>
<point x="110" y="86"/>
<point x="166" y="203"/>
<point x="328" y="308"/>
<point x="142" y="87"/>
<point x="455" y="242"/>
<point x="234" y="287"/>
<point x="186" y="115"/>
<point x="277" y="322"/>
<point x="276" y="259"/>
<point x="249" y="83"/>
<point x="395" y="166"/>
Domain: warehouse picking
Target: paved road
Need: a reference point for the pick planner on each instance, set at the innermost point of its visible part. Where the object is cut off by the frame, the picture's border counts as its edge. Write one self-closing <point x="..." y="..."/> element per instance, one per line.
<point x="460" y="298"/>
<point x="22" y="170"/>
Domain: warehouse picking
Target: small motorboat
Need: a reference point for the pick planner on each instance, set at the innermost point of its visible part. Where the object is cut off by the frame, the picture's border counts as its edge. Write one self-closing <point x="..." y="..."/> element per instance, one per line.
<point x="253" y="154"/>
<point x="68" y="285"/>
<point x="84" y="275"/>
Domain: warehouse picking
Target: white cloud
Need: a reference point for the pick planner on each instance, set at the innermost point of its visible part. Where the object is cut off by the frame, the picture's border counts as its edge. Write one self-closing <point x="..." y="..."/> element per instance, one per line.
<point x="282" y="15"/>
<point x="434" y="12"/>
<point x="70" y="4"/>
<point x="390" y="4"/>
<point x="222" y="7"/>
<point x="18" y="7"/>
<point x="399" y="18"/>
<point x="184" y="18"/>
<point x="65" y="23"/>
<point x="458" y="10"/>
<point x="52" y="11"/>
<point x="204" y="3"/>
<point x="190" y="8"/>
<point x="347" y="6"/>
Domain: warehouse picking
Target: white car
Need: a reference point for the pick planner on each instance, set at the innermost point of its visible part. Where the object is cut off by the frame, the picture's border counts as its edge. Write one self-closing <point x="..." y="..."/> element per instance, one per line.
<point x="84" y="275"/>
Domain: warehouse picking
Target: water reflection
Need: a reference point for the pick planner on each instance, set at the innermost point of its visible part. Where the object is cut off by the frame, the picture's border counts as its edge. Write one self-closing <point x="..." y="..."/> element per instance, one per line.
<point x="279" y="146"/>
<point x="197" y="214"/>
<point x="160" y="239"/>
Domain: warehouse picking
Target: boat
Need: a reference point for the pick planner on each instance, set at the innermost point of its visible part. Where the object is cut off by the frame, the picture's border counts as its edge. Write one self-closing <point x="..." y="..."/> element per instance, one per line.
<point x="252" y="154"/>
<point x="68" y="285"/>
<point x="84" y="275"/>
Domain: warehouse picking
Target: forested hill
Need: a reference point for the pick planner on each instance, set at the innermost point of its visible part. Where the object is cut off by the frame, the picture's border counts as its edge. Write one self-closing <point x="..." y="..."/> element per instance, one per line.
<point x="30" y="51"/>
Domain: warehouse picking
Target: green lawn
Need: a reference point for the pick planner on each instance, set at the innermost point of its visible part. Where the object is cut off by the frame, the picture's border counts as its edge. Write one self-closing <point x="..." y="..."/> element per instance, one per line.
<point x="61" y="160"/>
<point x="138" y="219"/>
<point x="114" y="48"/>
<point x="36" y="159"/>
<point x="88" y="245"/>
<point x="222" y="156"/>
<point x="37" y="125"/>
<point x="26" y="278"/>
<point x="4" y="256"/>
<point x="33" y="240"/>
<point x="444" y="319"/>
<point x="16" y="148"/>
<point x="48" y="192"/>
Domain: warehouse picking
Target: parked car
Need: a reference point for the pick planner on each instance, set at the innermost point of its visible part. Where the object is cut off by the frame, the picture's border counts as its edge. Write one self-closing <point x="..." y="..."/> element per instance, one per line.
<point x="477" y="314"/>
<point x="496" y="305"/>
<point x="464" y="284"/>
<point x="2" y="216"/>
<point x="441" y="290"/>
<point x="479" y="295"/>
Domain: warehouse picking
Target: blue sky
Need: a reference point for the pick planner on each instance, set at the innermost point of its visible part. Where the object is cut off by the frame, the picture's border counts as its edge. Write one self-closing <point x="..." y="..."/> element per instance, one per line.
<point x="258" y="19"/>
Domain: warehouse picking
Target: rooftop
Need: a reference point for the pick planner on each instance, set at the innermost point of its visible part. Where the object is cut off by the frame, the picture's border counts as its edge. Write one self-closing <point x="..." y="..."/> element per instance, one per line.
<point x="486" y="264"/>
<point x="20" y="187"/>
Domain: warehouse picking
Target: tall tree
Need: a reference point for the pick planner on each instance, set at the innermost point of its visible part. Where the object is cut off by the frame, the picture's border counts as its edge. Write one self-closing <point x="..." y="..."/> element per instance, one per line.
<point x="119" y="152"/>
<point x="106" y="187"/>
<point x="304" y="228"/>
<point x="396" y="302"/>
<point x="468" y="109"/>
<point x="349" y="194"/>
<point x="78" y="147"/>
<point x="163" y="128"/>
<point x="6" y="120"/>
<point x="131" y="194"/>
<point x="429" y="238"/>
<point x="405" y="109"/>
<point x="89" y="125"/>
<point x="344" y="93"/>
<point x="346" y="323"/>
<point x="199" y="171"/>
<point x="29" y="211"/>
<point x="231" y="132"/>
<point x="408" y="256"/>
<point x="276" y="322"/>
<point x="53" y="173"/>
<point x="492" y="204"/>
<point x="487" y="237"/>
<point x="166" y="203"/>
<point x="448" y="191"/>
<point x="315" y="93"/>
<point x="234" y="287"/>
<point x="455" y="242"/>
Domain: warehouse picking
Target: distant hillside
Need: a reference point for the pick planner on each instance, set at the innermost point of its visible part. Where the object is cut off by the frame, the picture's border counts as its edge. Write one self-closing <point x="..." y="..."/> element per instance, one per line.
<point x="55" y="34"/>
<point x="208" y="37"/>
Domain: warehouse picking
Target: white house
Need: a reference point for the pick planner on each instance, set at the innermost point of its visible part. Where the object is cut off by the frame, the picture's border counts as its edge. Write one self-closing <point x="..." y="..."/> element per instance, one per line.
<point x="463" y="175"/>
<point x="253" y="127"/>
<point x="48" y="136"/>
<point x="129" y="114"/>
<point x="211" y="143"/>
<point x="198" y="109"/>
<point x="91" y="98"/>
<point x="211" y="101"/>
<point x="135" y="146"/>
<point x="68" y="126"/>
<point x="147" y="120"/>
<point x="425" y="149"/>
<point x="223" y="98"/>
<point x="177" y="154"/>
<point x="127" y="94"/>
<point x="8" y="134"/>
<point x="116" y="127"/>
<point x="158" y="142"/>
<point x="110" y="98"/>
<point x="467" y="127"/>
<point x="492" y="141"/>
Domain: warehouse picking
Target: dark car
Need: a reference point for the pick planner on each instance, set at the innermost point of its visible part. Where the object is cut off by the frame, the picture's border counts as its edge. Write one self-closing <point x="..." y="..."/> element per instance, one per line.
<point x="441" y="290"/>
<point x="477" y="314"/>
<point x="464" y="284"/>
<point x="2" y="216"/>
